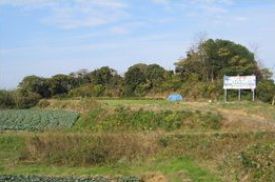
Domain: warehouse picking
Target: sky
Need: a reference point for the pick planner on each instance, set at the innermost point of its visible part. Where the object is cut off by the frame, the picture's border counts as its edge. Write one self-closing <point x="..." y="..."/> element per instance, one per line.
<point x="48" y="37"/>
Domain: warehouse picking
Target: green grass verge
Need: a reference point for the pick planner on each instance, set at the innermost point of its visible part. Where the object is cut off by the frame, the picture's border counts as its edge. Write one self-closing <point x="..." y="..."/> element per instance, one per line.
<point x="171" y="168"/>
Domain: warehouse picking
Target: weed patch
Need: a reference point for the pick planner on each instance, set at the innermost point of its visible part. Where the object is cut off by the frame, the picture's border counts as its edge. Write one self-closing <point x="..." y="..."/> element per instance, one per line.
<point x="77" y="150"/>
<point x="124" y="119"/>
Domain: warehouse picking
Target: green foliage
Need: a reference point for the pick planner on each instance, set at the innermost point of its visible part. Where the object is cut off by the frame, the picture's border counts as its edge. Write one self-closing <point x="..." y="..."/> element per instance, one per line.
<point x="118" y="145"/>
<point x="141" y="79"/>
<point x="6" y="99"/>
<point x="197" y="90"/>
<point x="60" y="84"/>
<point x="198" y="75"/>
<point x="266" y="90"/>
<point x="34" y="120"/>
<point x="81" y="150"/>
<point x="155" y="74"/>
<point x="258" y="162"/>
<point x="25" y="99"/>
<point x="125" y="119"/>
<point x="104" y="76"/>
<point x="35" y="84"/>
<point x="213" y="59"/>
<point x="87" y="90"/>
<point x="266" y="74"/>
<point x="211" y="120"/>
<point x="134" y="77"/>
<point x="18" y="99"/>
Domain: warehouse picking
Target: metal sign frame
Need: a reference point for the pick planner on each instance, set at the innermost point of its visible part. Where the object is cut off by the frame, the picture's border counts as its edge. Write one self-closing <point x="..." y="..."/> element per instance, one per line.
<point x="239" y="83"/>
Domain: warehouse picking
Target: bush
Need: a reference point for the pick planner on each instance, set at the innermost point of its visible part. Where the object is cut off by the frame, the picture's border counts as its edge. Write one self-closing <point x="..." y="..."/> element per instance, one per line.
<point x="266" y="90"/>
<point x="25" y="99"/>
<point x="6" y="99"/>
<point x="18" y="99"/>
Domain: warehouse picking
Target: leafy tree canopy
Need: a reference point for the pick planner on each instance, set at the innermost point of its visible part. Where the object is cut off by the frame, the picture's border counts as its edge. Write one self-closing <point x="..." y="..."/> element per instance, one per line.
<point x="213" y="59"/>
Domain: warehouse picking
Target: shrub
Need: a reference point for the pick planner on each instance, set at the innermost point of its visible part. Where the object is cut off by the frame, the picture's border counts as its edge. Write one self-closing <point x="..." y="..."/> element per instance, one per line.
<point x="266" y="90"/>
<point x="6" y="99"/>
<point x="26" y="99"/>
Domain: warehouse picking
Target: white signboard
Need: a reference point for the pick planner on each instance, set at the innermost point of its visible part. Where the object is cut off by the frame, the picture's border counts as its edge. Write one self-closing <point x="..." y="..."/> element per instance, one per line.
<point x="239" y="82"/>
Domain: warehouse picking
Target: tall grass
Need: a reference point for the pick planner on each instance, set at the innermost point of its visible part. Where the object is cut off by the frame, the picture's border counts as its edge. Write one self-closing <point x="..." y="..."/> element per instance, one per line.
<point x="233" y="154"/>
<point x="76" y="149"/>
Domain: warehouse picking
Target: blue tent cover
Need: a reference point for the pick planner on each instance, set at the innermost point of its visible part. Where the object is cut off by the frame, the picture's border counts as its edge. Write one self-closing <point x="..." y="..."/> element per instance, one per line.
<point x="175" y="97"/>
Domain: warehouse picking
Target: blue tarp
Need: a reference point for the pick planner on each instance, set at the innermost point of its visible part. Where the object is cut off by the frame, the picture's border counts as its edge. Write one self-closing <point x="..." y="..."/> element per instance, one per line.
<point x="174" y="97"/>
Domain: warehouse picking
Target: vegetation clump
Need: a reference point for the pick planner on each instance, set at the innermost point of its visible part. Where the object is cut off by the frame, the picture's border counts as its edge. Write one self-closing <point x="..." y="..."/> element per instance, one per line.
<point x="123" y="119"/>
<point x="257" y="162"/>
<point x="79" y="150"/>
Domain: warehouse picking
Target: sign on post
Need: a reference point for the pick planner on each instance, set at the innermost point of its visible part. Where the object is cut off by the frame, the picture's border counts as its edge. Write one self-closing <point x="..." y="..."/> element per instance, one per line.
<point x="239" y="83"/>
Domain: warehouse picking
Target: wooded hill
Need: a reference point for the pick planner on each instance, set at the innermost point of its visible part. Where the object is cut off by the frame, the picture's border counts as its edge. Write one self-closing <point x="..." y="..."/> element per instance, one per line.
<point x="198" y="75"/>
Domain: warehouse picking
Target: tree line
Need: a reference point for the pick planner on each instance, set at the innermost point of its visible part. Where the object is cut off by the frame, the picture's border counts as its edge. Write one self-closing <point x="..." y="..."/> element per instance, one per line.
<point x="198" y="75"/>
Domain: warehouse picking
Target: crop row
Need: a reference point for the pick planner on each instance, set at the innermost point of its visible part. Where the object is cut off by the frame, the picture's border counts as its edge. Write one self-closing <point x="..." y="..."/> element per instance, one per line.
<point x="66" y="179"/>
<point x="36" y="119"/>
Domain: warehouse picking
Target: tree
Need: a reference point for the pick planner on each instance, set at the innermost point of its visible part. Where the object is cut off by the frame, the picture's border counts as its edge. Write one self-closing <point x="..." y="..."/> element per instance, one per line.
<point x="154" y="74"/>
<point x="103" y="75"/>
<point x="134" y="77"/>
<point x="266" y="90"/>
<point x="266" y="74"/>
<point x="213" y="59"/>
<point x="61" y="84"/>
<point x="81" y="77"/>
<point x="36" y="85"/>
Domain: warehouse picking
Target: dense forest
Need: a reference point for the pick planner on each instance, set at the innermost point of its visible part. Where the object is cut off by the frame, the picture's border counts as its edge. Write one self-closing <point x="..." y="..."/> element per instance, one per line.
<point x="199" y="75"/>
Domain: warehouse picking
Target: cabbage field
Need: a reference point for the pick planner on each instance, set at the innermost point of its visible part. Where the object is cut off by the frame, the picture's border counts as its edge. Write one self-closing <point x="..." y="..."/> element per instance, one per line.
<point x="36" y="120"/>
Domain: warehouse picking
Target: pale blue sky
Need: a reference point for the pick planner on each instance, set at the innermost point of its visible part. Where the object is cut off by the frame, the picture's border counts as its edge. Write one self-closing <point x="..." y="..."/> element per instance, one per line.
<point x="46" y="37"/>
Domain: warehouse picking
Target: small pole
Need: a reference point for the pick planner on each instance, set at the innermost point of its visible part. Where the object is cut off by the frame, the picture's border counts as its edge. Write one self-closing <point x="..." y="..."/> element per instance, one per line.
<point x="253" y="96"/>
<point x="225" y="95"/>
<point x="239" y="98"/>
<point x="273" y="102"/>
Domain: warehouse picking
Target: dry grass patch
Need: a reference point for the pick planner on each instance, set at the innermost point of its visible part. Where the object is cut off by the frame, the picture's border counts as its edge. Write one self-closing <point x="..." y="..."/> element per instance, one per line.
<point x="79" y="150"/>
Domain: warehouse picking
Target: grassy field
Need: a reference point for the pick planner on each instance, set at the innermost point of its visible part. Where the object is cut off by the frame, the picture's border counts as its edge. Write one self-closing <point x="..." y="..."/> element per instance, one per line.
<point x="154" y="140"/>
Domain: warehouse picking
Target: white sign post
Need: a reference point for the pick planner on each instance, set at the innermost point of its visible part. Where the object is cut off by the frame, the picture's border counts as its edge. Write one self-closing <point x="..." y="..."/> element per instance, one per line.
<point x="239" y="83"/>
